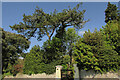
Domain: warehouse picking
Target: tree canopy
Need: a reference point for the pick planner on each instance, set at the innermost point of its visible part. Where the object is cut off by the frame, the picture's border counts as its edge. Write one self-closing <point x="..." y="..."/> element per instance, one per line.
<point x="93" y="52"/>
<point x="12" y="47"/>
<point x="111" y="13"/>
<point x="111" y="30"/>
<point x="34" y="60"/>
<point x="40" y="61"/>
<point x="99" y="50"/>
<point x="71" y="38"/>
<point x="42" y="23"/>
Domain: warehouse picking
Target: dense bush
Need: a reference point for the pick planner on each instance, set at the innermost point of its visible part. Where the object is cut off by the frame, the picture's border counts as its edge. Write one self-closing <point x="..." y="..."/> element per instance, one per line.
<point x="35" y="62"/>
<point x="95" y="52"/>
<point x="32" y="60"/>
<point x="13" y="45"/>
<point x="17" y="68"/>
<point x="14" y="69"/>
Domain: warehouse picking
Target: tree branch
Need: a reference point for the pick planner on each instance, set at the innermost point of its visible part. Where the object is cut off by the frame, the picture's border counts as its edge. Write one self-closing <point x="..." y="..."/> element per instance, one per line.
<point x="52" y="32"/>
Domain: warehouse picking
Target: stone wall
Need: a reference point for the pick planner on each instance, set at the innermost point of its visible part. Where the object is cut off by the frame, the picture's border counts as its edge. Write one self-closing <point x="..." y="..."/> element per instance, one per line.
<point x="43" y="75"/>
<point x="91" y="74"/>
<point x="82" y="74"/>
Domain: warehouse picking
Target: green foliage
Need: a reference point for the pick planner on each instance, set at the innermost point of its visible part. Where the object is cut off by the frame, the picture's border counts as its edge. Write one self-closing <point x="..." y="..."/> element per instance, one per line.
<point x="42" y="23"/>
<point x="9" y="70"/>
<point x="66" y="59"/>
<point x="104" y="45"/>
<point x="12" y="47"/>
<point x="8" y="74"/>
<point x="53" y="49"/>
<point x="14" y="69"/>
<point x="37" y="61"/>
<point x="51" y="67"/>
<point x="111" y="33"/>
<point x="60" y="44"/>
<point x="94" y="52"/>
<point x="18" y="67"/>
<point x="71" y="37"/>
<point x="98" y="50"/>
<point x="65" y="62"/>
<point x="111" y="13"/>
<point x="93" y="39"/>
<point x="112" y="36"/>
<point x="33" y="61"/>
<point x="85" y="58"/>
<point x="23" y="55"/>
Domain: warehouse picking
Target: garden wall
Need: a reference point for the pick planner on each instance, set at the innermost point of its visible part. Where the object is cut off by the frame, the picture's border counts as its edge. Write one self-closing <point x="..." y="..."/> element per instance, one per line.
<point x="43" y="75"/>
<point x="91" y="74"/>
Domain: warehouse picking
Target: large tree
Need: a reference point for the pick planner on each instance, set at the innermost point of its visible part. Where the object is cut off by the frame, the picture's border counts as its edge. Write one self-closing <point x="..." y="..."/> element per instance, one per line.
<point x="42" y="23"/>
<point x="94" y="52"/>
<point x="111" y="33"/>
<point x="112" y="29"/>
<point x="12" y="47"/>
<point x="71" y="38"/>
<point x="111" y="13"/>
<point x="34" y="61"/>
<point x="61" y="44"/>
<point x="42" y="61"/>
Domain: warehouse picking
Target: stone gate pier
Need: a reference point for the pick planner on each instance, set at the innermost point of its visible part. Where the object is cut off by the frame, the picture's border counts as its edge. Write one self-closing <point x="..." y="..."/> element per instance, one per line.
<point x="58" y="72"/>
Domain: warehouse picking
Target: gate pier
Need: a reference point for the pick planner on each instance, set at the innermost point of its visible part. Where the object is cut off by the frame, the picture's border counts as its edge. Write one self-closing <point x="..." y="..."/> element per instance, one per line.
<point x="58" y="72"/>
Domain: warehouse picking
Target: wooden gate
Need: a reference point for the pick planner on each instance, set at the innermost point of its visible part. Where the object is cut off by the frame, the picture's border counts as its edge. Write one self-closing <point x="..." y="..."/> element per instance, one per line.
<point x="66" y="74"/>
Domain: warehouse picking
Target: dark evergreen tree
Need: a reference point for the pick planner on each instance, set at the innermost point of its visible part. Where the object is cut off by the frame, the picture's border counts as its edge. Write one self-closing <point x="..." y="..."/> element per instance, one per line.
<point x="111" y="33"/>
<point x="41" y="23"/>
<point x="111" y="13"/>
<point x="93" y="51"/>
<point x="12" y="47"/>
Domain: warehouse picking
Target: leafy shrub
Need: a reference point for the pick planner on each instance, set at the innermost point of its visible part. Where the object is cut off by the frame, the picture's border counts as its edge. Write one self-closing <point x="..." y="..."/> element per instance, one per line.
<point x="35" y="62"/>
<point x="17" y="68"/>
<point x="94" y="52"/>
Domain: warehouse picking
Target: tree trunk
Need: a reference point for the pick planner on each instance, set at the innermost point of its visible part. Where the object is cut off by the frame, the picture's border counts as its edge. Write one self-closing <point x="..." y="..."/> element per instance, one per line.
<point x="70" y="54"/>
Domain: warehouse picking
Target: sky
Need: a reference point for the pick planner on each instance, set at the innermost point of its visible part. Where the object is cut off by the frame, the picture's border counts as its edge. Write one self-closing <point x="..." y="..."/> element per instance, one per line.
<point x="12" y="13"/>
